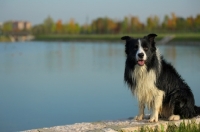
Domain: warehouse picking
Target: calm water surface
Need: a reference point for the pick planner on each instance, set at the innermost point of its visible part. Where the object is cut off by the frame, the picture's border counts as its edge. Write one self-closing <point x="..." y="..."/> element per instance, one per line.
<point x="46" y="84"/>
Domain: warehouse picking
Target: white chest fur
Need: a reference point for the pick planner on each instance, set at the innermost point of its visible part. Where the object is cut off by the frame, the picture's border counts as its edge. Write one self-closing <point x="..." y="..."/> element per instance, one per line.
<point x="145" y="89"/>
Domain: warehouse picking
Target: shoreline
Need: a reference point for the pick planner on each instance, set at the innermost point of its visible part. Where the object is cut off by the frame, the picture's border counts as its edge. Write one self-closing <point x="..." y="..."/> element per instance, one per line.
<point x="109" y="37"/>
<point x="127" y="125"/>
<point x="114" y="37"/>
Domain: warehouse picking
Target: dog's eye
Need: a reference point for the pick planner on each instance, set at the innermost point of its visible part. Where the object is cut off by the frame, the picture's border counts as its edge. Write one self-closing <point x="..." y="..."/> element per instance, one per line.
<point x="135" y="47"/>
<point x="145" y="48"/>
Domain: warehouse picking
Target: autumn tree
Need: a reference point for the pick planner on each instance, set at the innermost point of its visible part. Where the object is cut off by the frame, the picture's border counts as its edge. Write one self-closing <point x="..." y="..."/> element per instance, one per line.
<point x="135" y="24"/>
<point x="111" y="26"/>
<point x="59" y="26"/>
<point x="172" y="22"/>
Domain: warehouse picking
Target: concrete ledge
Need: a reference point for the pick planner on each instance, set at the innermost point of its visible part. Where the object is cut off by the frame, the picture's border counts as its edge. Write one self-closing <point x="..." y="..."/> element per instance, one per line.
<point x="128" y="125"/>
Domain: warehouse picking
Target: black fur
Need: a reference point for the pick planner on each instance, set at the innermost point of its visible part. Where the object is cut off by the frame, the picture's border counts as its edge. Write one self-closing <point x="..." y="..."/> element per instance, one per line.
<point x="178" y="95"/>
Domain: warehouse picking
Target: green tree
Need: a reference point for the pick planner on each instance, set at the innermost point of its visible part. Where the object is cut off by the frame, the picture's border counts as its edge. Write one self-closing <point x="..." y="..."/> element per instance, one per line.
<point x="165" y="22"/>
<point x="190" y="23"/>
<point x="38" y="29"/>
<point x="48" y="25"/>
<point x="72" y="27"/>
<point x="7" y="27"/>
<point x="125" y="25"/>
<point x="197" y="23"/>
<point x="86" y="29"/>
<point x="153" y="23"/>
<point x="99" y="25"/>
<point x="181" y="24"/>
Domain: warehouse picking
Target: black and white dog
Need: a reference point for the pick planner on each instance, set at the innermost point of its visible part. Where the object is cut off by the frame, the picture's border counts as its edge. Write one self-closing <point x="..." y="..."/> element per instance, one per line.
<point x="156" y="83"/>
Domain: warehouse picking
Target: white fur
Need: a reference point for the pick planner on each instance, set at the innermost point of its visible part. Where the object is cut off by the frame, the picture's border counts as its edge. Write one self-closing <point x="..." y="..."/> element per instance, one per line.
<point x="140" y="50"/>
<point x="174" y="118"/>
<point x="146" y="92"/>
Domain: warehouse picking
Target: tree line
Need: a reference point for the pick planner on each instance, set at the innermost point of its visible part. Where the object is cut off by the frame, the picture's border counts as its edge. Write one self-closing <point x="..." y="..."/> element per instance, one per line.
<point x="130" y="24"/>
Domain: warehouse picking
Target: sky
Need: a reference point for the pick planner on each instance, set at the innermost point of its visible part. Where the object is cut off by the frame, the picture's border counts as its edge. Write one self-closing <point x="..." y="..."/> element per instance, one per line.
<point x="83" y="11"/>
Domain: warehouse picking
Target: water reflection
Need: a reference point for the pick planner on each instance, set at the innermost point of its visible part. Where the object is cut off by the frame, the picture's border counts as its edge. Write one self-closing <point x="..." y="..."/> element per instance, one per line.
<point x="170" y="53"/>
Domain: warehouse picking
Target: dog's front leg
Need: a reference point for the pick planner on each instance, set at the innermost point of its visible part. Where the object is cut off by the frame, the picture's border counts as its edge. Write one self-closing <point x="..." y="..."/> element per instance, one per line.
<point x="157" y="106"/>
<point x="154" y="116"/>
<point x="141" y="111"/>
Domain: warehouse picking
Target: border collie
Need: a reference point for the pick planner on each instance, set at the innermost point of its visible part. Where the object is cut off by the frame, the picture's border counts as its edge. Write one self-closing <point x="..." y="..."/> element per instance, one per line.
<point x="156" y="83"/>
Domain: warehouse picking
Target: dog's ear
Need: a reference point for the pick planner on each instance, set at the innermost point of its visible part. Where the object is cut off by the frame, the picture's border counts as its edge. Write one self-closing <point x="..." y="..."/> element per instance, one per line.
<point x="125" y="38"/>
<point x="151" y="37"/>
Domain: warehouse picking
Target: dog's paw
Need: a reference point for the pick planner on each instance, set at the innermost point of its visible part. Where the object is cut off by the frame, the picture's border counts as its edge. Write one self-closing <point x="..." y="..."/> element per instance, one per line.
<point x="174" y="118"/>
<point x="153" y="119"/>
<point x="139" y="117"/>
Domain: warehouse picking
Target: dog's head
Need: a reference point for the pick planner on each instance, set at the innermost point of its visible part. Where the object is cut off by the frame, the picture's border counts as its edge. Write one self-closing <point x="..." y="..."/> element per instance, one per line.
<point x="141" y="50"/>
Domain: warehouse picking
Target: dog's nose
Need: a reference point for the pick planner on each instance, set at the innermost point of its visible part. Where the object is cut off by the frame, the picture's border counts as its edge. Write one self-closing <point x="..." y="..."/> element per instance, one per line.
<point x="141" y="55"/>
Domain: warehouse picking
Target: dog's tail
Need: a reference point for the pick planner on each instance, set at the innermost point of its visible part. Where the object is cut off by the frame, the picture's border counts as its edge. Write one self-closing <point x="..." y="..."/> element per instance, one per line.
<point x="197" y="110"/>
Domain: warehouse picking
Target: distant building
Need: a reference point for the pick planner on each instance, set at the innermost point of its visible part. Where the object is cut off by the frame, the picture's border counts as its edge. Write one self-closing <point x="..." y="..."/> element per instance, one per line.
<point x="27" y="25"/>
<point x="21" y="25"/>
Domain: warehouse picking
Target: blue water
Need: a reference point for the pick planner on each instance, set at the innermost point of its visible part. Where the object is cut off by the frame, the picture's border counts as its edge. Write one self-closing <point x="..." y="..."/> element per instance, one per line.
<point x="45" y="84"/>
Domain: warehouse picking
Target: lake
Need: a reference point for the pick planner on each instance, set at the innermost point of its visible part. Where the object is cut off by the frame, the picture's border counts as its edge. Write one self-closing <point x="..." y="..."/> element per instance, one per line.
<point x="46" y="84"/>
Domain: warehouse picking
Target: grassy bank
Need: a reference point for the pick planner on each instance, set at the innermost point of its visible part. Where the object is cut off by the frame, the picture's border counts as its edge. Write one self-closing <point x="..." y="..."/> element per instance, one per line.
<point x="79" y="37"/>
<point x="167" y="126"/>
<point x="183" y="127"/>
<point x="108" y="37"/>
<point x="187" y="37"/>
<point x="4" y="39"/>
<point x="93" y="37"/>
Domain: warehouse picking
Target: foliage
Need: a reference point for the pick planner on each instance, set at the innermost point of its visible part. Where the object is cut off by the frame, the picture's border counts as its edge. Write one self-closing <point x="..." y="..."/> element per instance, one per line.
<point x="7" y="27"/>
<point x="184" y="127"/>
<point x="105" y="25"/>
<point x="48" y="25"/>
<point x="152" y="23"/>
<point x="129" y="25"/>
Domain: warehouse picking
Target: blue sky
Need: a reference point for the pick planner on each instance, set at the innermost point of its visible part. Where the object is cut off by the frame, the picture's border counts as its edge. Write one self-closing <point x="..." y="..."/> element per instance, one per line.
<point x="36" y="11"/>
